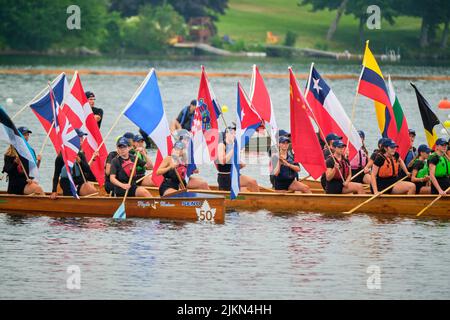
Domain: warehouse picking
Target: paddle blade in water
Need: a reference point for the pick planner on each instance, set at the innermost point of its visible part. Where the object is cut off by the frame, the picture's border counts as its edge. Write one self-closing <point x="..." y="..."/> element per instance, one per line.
<point x="120" y="213"/>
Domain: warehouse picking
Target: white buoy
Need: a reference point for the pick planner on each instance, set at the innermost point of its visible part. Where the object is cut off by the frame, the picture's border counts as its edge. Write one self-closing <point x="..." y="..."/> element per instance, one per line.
<point x="9" y="101"/>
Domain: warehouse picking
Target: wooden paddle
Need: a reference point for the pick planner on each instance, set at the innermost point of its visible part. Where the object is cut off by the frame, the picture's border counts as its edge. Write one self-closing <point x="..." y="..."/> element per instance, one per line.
<point x="432" y="202"/>
<point x="357" y="174"/>
<point x="139" y="180"/>
<point x="374" y="196"/>
<point x="309" y="176"/>
<point x="120" y="212"/>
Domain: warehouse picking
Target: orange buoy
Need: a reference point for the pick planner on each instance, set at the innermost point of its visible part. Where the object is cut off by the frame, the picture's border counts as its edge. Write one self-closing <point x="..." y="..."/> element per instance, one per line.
<point x="444" y="104"/>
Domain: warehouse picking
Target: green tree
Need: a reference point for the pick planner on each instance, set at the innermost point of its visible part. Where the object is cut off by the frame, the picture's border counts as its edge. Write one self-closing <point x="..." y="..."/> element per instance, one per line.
<point x="151" y="30"/>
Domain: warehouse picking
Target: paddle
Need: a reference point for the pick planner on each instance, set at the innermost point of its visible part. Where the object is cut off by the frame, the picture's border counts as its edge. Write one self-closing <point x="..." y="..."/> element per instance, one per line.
<point x="357" y="174"/>
<point x="120" y="212"/>
<point x="309" y="176"/>
<point x="139" y="180"/>
<point x="432" y="202"/>
<point x="374" y="196"/>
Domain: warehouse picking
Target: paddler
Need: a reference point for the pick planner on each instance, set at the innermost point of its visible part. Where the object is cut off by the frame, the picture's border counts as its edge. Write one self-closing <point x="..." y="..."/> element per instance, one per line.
<point x="385" y="171"/>
<point x="26" y="134"/>
<point x="225" y="153"/>
<point x="420" y="172"/>
<point x="81" y="174"/>
<point x="121" y="169"/>
<point x="439" y="164"/>
<point x="286" y="173"/>
<point x="360" y="161"/>
<point x="328" y="150"/>
<point x="338" y="174"/>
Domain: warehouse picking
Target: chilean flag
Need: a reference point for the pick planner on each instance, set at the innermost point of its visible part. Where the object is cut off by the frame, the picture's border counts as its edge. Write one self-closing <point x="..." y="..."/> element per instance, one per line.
<point x="43" y="109"/>
<point x="305" y="144"/>
<point x="79" y="113"/>
<point x="210" y="112"/>
<point x="146" y="110"/>
<point x="329" y="113"/>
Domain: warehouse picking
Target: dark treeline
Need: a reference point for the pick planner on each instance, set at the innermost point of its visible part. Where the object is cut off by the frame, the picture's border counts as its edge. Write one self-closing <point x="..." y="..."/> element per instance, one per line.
<point x="111" y="26"/>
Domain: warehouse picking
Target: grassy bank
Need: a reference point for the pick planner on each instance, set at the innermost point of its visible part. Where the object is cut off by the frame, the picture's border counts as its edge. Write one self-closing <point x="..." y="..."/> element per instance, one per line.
<point x="250" y="20"/>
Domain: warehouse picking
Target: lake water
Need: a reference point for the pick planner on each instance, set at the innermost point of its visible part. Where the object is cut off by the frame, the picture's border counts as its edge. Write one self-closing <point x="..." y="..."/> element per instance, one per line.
<point x="259" y="255"/>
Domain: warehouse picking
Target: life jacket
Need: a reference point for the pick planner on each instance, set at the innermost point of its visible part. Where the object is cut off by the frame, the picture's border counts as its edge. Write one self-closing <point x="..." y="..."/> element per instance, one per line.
<point x="359" y="161"/>
<point x="443" y="166"/>
<point x="140" y="169"/>
<point x="425" y="171"/>
<point x="344" y="168"/>
<point x="75" y="171"/>
<point x="389" y="168"/>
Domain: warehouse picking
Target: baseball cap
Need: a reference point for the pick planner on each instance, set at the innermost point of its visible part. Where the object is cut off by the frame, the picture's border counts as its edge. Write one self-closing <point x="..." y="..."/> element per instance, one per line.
<point x="338" y="144"/>
<point x="389" y="143"/>
<point x="89" y="94"/>
<point x="441" y="142"/>
<point x="423" y="148"/>
<point x="24" y="130"/>
<point x="179" y="145"/>
<point x="122" y="142"/>
<point x="332" y="137"/>
<point x="128" y="135"/>
<point x="193" y="103"/>
<point x="282" y="132"/>
<point x="381" y="141"/>
<point x="412" y="131"/>
<point x="138" y="138"/>
<point x="283" y="139"/>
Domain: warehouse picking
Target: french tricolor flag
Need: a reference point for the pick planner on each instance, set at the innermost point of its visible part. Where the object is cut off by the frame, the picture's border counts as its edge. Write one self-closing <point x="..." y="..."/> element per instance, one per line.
<point x="146" y="110"/>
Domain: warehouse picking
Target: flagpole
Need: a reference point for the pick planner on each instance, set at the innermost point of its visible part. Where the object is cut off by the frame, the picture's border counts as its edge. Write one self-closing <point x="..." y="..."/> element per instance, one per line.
<point x="120" y="115"/>
<point x="29" y="102"/>
<point x="21" y="164"/>
<point x="46" y="138"/>
<point x="320" y="130"/>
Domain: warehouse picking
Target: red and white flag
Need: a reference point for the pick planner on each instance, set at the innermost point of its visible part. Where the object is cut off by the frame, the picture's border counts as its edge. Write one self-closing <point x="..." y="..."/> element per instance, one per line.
<point x="79" y="113"/>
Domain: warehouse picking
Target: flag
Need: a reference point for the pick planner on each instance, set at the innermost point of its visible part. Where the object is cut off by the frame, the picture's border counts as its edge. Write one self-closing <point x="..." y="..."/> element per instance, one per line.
<point x="305" y="144"/>
<point x="429" y="119"/>
<point x="249" y="118"/>
<point x="402" y="139"/>
<point x="10" y="134"/>
<point x="66" y="138"/>
<point x="197" y="149"/>
<point x="146" y="110"/>
<point x="79" y="113"/>
<point x="371" y="84"/>
<point x="262" y="103"/>
<point x="43" y="109"/>
<point x="329" y="113"/>
<point x="235" y="173"/>
<point x="210" y="112"/>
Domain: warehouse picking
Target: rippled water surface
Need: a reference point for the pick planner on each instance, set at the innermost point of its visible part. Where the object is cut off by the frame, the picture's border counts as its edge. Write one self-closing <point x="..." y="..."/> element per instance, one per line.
<point x="253" y="255"/>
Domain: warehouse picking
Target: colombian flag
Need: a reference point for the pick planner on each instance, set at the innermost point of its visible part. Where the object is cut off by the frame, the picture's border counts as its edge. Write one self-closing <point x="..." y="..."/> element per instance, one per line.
<point x="372" y="85"/>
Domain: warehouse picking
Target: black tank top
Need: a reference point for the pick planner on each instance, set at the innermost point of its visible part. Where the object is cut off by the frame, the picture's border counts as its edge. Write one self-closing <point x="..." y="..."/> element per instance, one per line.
<point x="224" y="168"/>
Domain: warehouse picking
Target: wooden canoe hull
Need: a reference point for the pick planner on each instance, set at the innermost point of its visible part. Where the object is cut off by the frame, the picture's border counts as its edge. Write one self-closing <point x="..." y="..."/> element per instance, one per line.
<point x="324" y="203"/>
<point x="180" y="207"/>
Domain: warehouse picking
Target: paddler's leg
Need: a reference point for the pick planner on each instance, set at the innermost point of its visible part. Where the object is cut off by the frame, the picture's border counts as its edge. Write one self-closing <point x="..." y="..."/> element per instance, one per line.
<point x="147" y="182"/>
<point x="197" y="183"/>
<point x="169" y="191"/>
<point x="298" y="186"/>
<point x="404" y="187"/>
<point x="249" y="183"/>
<point x="33" y="187"/>
<point x="353" y="187"/>
<point x="142" y="192"/>
<point x="87" y="188"/>
<point x="425" y="190"/>
<point x="367" y="179"/>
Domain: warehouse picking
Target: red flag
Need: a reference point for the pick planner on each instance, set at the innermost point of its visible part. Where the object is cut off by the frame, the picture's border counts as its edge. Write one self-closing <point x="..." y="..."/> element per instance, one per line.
<point x="210" y="111"/>
<point x="79" y="113"/>
<point x="158" y="179"/>
<point x="305" y="144"/>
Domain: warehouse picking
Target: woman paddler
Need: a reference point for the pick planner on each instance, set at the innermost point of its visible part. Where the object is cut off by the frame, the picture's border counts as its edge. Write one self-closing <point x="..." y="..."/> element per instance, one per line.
<point x="360" y="161"/>
<point x="439" y="164"/>
<point x="176" y="161"/>
<point x="385" y="170"/>
<point x="225" y="153"/>
<point x="338" y="174"/>
<point x="286" y="172"/>
<point x="121" y="169"/>
<point x="420" y="174"/>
